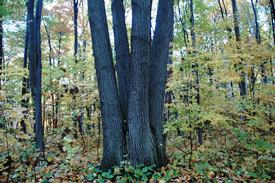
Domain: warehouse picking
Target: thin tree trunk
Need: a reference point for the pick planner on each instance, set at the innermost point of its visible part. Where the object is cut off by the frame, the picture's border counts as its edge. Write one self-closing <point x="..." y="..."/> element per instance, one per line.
<point x="257" y="27"/>
<point x="225" y="10"/>
<point x="59" y="48"/>
<point x="48" y="32"/>
<point x="221" y="9"/>
<point x="32" y="46"/>
<point x="75" y="29"/>
<point x="39" y="130"/>
<point x="110" y="107"/>
<point x="1" y="45"/>
<point x="236" y="20"/>
<point x="25" y="87"/>
<point x="192" y="20"/>
<point x="242" y="83"/>
<point x="196" y="72"/>
<point x="272" y="12"/>
<point x="185" y="34"/>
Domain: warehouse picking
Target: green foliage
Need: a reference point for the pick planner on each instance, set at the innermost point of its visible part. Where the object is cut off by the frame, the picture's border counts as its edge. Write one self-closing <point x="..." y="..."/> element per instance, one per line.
<point x="127" y="173"/>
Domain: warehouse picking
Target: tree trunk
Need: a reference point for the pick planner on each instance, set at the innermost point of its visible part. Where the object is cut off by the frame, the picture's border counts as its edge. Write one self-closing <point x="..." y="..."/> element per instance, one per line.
<point x="1" y="45"/>
<point x="236" y="20"/>
<point x="48" y="32"/>
<point x="25" y="81"/>
<point x="123" y="59"/>
<point x="158" y="74"/>
<point x="59" y="47"/>
<point x="75" y="29"/>
<point x="141" y="146"/>
<point x="196" y="72"/>
<point x="39" y="129"/>
<point x="257" y="27"/>
<point x="32" y="46"/>
<point x="272" y="12"/>
<point x="242" y="83"/>
<point x="145" y="96"/>
<point x="110" y="107"/>
<point x="225" y="10"/>
<point x="221" y="9"/>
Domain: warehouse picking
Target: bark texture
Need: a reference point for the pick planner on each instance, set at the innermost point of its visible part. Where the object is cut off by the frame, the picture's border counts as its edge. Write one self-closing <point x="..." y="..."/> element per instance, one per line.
<point x="158" y="74"/>
<point x="138" y="101"/>
<point x="110" y="108"/>
<point x="123" y="60"/>
<point x="141" y="146"/>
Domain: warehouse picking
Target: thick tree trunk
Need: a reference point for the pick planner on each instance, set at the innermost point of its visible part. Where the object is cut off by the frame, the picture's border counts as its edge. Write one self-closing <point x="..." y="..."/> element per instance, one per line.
<point x="39" y="129"/>
<point x="123" y="59"/>
<point x="145" y="96"/>
<point x="158" y="74"/>
<point x="110" y="107"/>
<point x="141" y="146"/>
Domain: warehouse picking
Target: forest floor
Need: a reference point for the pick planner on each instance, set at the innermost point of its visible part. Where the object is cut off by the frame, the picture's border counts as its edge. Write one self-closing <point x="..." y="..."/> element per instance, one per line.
<point x="69" y="158"/>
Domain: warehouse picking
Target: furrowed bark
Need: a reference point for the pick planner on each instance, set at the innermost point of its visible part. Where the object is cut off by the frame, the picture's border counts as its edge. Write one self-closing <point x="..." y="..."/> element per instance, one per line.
<point x="158" y="74"/>
<point x="110" y="107"/>
<point x="123" y="59"/>
<point x="141" y="146"/>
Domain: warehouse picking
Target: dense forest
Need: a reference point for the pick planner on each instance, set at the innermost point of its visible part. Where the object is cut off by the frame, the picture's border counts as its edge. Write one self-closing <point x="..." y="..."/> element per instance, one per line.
<point x="137" y="91"/>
